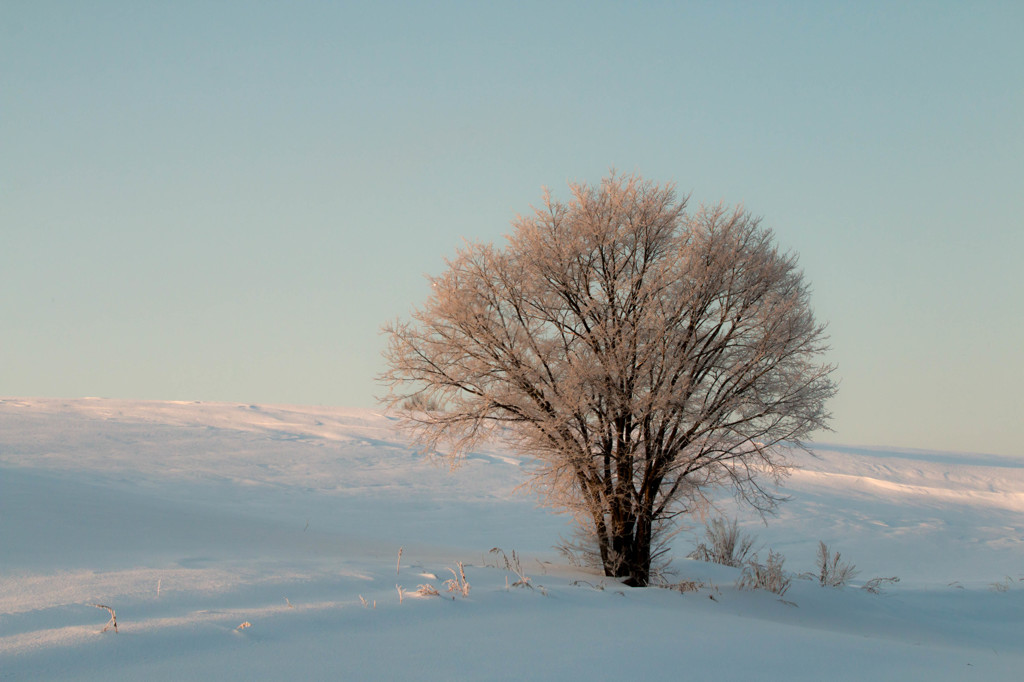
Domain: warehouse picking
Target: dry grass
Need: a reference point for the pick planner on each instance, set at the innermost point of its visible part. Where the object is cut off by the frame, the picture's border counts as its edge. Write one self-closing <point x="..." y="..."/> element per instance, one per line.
<point x="832" y="571"/>
<point x="874" y="586"/>
<point x="427" y="590"/>
<point x="767" y="576"/>
<point x="724" y="543"/>
<point x="1002" y="585"/>
<point x="458" y="583"/>
<point x="684" y="586"/>
<point x="515" y="566"/>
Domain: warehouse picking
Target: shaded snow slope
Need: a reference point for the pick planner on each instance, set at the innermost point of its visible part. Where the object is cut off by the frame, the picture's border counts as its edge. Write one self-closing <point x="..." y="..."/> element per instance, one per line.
<point x="193" y="518"/>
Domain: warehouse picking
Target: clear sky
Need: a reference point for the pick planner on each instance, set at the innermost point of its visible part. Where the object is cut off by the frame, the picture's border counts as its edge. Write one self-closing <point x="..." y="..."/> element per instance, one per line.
<point x="225" y="200"/>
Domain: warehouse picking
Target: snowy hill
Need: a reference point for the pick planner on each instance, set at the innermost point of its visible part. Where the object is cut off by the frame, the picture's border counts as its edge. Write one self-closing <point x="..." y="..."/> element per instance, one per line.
<point x="190" y="519"/>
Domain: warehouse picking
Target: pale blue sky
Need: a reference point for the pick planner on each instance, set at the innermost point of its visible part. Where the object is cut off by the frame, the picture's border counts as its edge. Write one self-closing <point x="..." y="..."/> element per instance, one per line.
<point x="225" y="200"/>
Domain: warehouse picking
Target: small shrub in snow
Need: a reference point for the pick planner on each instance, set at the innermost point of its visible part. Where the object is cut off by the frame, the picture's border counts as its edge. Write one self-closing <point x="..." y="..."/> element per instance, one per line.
<point x="832" y="572"/>
<point x="767" y="576"/>
<point x="724" y="543"/>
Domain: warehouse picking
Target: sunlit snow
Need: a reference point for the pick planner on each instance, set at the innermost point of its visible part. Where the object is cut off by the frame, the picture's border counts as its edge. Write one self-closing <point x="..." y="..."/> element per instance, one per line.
<point x="190" y="519"/>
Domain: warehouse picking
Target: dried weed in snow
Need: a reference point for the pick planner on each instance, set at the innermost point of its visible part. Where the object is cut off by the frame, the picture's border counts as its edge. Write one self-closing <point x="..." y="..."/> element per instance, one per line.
<point x="112" y="623"/>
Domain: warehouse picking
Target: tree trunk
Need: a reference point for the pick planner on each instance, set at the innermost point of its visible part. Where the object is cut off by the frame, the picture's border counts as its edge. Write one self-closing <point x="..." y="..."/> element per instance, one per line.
<point x="629" y="556"/>
<point x="637" y="564"/>
<point x="626" y="550"/>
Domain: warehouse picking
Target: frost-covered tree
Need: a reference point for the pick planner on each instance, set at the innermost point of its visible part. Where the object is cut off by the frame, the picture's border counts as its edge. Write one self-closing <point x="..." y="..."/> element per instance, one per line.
<point x="643" y="355"/>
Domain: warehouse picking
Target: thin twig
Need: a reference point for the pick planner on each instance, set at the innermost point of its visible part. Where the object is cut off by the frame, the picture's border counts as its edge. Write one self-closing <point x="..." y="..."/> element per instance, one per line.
<point x="112" y="623"/>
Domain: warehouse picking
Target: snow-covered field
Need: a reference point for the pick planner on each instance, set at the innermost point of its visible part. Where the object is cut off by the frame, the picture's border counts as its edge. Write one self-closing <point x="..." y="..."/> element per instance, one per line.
<point x="190" y="519"/>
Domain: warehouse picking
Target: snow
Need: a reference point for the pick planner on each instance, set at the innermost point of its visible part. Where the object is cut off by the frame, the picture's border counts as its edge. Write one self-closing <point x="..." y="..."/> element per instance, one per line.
<point x="190" y="519"/>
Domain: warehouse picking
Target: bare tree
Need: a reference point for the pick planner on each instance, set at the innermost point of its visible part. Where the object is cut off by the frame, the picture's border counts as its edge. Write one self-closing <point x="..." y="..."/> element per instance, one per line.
<point x="642" y="355"/>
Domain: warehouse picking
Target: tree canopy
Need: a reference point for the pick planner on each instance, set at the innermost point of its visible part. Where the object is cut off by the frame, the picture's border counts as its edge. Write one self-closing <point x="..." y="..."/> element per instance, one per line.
<point x="643" y="355"/>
